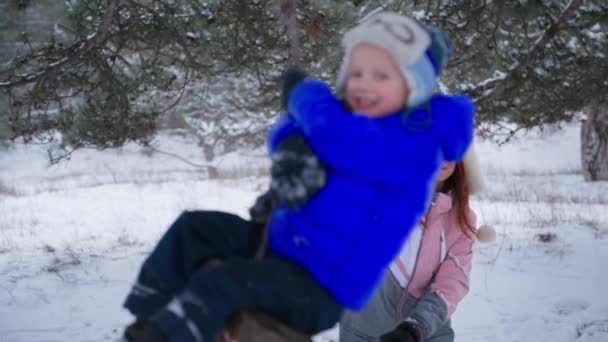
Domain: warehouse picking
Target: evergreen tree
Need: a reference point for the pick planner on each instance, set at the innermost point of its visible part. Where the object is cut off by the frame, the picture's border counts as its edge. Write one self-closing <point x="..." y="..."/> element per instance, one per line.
<point x="128" y="62"/>
<point x="124" y="67"/>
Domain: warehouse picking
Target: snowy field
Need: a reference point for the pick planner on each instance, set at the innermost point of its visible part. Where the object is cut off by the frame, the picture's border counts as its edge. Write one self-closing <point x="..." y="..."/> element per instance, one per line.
<point x="73" y="235"/>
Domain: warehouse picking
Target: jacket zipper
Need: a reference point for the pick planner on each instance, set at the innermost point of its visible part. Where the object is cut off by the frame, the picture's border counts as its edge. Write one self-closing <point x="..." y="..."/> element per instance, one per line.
<point x="404" y="293"/>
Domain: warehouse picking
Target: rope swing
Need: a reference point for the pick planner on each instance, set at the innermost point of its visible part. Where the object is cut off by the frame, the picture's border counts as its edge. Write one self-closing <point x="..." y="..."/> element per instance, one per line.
<point x="288" y="19"/>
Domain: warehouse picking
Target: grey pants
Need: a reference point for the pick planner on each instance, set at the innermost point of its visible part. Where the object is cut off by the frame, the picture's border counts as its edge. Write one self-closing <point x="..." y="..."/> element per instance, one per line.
<point x="380" y="316"/>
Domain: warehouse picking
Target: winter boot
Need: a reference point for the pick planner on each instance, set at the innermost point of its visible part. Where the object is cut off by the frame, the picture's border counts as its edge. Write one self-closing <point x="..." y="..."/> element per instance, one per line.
<point x="144" y="331"/>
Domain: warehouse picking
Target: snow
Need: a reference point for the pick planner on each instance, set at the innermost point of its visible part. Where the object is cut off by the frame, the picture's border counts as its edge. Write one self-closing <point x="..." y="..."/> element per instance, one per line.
<point x="498" y="75"/>
<point x="72" y="236"/>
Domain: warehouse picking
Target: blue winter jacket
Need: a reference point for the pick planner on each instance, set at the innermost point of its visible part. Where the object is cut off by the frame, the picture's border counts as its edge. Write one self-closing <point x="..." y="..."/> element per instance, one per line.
<point x="380" y="180"/>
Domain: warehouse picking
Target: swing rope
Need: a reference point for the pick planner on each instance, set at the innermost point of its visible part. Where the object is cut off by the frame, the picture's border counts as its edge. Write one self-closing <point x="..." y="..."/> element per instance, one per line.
<point x="288" y="19"/>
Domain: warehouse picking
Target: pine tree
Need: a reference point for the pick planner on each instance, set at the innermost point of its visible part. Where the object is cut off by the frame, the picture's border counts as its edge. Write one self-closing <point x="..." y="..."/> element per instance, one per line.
<point x="128" y="62"/>
<point x="213" y="66"/>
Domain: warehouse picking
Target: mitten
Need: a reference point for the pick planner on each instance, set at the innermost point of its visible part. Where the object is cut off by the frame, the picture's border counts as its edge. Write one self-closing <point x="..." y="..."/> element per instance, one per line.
<point x="407" y="331"/>
<point x="296" y="172"/>
<point x="292" y="76"/>
<point x="262" y="208"/>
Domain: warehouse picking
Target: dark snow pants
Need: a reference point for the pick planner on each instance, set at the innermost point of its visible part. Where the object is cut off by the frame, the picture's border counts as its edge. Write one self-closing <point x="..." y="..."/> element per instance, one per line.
<point x="191" y="303"/>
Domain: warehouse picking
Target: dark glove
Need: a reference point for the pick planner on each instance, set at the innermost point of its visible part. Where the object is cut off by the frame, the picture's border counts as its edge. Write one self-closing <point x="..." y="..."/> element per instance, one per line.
<point x="292" y="76"/>
<point x="262" y="208"/>
<point x="296" y="172"/>
<point x="404" y="332"/>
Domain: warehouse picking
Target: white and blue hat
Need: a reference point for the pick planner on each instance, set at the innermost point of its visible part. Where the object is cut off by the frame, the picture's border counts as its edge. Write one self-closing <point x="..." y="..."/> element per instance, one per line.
<point x="420" y="52"/>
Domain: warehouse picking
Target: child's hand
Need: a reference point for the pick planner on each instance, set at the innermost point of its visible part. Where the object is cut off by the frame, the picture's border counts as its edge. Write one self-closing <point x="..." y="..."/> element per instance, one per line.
<point x="292" y="76"/>
<point x="297" y="173"/>
<point x="262" y="209"/>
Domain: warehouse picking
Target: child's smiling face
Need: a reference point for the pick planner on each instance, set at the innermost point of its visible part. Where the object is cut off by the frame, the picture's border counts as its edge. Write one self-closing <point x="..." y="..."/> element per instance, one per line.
<point x="375" y="86"/>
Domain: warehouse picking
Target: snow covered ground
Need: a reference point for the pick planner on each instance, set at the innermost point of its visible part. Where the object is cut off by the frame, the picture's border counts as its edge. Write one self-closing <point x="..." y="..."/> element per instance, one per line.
<point x="72" y="237"/>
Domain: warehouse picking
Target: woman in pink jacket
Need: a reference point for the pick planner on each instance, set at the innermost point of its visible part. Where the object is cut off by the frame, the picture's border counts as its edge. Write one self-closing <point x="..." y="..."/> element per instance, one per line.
<point x="431" y="274"/>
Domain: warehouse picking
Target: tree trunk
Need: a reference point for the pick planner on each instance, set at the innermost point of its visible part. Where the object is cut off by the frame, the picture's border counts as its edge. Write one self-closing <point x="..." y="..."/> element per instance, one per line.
<point x="594" y="141"/>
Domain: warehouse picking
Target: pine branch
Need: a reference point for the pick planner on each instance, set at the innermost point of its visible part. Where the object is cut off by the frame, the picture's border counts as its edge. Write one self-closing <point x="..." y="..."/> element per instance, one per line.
<point x="504" y="84"/>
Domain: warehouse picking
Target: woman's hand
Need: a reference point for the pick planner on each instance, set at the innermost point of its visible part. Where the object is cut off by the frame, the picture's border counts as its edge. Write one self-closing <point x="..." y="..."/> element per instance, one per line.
<point x="404" y="332"/>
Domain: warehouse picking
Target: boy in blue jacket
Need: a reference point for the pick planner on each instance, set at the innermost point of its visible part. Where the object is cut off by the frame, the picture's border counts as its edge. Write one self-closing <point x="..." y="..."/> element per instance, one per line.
<point x="334" y="231"/>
